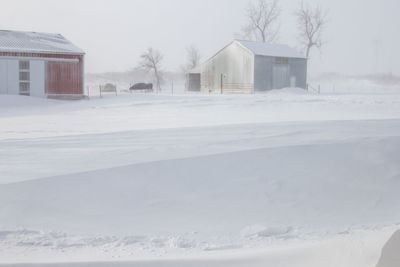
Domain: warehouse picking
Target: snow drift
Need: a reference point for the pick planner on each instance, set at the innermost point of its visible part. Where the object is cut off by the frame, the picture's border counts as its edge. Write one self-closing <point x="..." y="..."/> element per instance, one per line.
<point x="390" y="254"/>
<point x="310" y="186"/>
<point x="279" y="178"/>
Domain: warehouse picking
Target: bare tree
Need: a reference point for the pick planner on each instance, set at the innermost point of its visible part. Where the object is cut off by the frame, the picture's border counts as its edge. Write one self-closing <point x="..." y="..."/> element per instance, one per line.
<point x="311" y="23"/>
<point x="193" y="58"/>
<point x="151" y="61"/>
<point x="263" y="19"/>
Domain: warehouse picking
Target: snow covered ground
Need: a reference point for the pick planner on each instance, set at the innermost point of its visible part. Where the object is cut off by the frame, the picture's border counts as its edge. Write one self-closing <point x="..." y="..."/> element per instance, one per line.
<point x="285" y="177"/>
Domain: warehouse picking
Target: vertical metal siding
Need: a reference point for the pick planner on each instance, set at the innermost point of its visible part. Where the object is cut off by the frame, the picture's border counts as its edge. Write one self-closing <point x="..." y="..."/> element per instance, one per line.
<point x="268" y="75"/>
<point x="235" y="63"/>
<point x="64" y="78"/>
<point x="13" y="77"/>
<point x="3" y="76"/>
<point x="298" y="69"/>
<point x="263" y="73"/>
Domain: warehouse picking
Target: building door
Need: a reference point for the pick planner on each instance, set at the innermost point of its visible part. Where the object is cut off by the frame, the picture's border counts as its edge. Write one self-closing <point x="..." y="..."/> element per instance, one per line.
<point x="280" y="76"/>
<point x="194" y="82"/>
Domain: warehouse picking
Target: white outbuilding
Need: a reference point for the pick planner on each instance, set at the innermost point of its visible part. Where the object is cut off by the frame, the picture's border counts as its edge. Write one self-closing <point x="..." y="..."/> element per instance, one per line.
<point x="41" y="65"/>
<point x="247" y="67"/>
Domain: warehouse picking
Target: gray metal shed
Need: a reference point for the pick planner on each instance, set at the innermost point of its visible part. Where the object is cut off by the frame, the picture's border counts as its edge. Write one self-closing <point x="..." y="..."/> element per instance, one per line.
<point x="247" y="67"/>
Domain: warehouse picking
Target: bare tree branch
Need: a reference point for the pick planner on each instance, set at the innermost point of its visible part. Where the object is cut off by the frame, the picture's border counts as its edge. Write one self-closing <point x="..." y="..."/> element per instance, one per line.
<point x="193" y="58"/>
<point x="311" y="23"/>
<point x="151" y="61"/>
<point x="262" y="21"/>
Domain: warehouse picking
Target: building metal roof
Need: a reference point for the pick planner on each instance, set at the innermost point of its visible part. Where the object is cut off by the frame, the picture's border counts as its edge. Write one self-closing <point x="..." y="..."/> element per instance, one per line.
<point x="196" y="69"/>
<point x="272" y="50"/>
<point x="260" y="49"/>
<point x="35" y="42"/>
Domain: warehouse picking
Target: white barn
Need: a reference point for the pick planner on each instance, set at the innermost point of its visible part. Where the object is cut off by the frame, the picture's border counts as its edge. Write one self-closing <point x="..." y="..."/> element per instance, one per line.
<point x="244" y="66"/>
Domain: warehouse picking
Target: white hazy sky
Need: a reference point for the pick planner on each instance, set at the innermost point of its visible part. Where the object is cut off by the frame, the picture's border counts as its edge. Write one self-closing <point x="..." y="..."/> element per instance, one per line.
<point x="362" y="35"/>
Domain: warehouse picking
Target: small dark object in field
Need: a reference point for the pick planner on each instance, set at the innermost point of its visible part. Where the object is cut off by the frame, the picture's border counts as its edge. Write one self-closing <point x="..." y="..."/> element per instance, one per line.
<point x="142" y="86"/>
<point x="108" y="87"/>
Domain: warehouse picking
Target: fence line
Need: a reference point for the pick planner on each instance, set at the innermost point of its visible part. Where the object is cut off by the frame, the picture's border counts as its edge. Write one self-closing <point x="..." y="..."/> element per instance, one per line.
<point x="240" y="88"/>
<point x="315" y="90"/>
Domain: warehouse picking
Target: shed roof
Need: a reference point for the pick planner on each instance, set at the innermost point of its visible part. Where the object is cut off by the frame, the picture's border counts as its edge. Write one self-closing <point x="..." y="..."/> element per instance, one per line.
<point x="35" y="42"/>
<point x="196" y="69"/>
<point x="272" y="50"/>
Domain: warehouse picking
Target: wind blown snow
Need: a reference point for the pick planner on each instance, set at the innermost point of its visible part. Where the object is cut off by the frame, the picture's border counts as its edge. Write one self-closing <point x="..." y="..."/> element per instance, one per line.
<point x="204" y="180"/>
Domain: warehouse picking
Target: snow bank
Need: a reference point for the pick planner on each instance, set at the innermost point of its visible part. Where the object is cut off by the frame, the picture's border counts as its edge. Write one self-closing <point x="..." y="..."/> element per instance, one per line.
<point x="357" y="248"/>
<point x="362" y="84"/>
<point x="143" y="112"/>
<point x="326" y="187"/>
<point x="131" y="147"/>
<point x="292" y="177"/>
<point x="289" y="90"/>
<point x="263" y="231"/>
<point x="390" y="254"/>
<point x="18" y="101"/>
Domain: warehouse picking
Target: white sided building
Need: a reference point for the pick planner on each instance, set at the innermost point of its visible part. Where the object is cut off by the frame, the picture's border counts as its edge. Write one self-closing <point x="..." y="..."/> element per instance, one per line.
<point x="244" y="66"/>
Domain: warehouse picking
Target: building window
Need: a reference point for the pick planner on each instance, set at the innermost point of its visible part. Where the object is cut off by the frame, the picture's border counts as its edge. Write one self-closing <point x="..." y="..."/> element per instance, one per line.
<point x="281" y="60"/>
<point x="24" y="78"/>
<point x="24" y="65"/>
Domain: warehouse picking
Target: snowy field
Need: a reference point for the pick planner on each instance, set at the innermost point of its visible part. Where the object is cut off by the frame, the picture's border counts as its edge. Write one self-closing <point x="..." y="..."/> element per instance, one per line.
<point x="285" y="178"/>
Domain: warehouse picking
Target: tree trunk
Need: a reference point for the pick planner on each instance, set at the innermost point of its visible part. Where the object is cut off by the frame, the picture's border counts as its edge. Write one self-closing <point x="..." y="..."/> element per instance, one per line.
<point x="157" y="79"/>
<point x="308" y="51"/>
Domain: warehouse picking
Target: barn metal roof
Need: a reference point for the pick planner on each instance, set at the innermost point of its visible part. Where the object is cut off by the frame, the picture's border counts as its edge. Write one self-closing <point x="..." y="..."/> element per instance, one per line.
<point x="272" y="50"/>
<point x="35" y="42"/>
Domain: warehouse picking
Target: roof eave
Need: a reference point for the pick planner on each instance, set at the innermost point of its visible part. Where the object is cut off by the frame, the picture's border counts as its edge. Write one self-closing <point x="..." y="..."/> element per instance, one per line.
<point x="41" y="52"/>
<point x="299" y="57"/>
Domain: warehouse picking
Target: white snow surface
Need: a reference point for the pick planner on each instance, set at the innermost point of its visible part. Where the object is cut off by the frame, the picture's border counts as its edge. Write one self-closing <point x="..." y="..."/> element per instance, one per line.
<point x="199" y="180"/>
<point x="273" y="50"/>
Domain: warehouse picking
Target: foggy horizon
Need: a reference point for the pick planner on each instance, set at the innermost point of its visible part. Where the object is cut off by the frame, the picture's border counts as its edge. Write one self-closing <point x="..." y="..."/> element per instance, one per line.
<point x="360" y="36"/>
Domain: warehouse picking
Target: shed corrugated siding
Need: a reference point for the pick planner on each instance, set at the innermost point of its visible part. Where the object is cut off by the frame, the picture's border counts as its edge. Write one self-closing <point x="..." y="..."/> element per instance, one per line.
<point x="236" y="65"/>
<point x="264" y="73"/>
<point x="298" y="68"/>
<point x="64" y="78"/>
